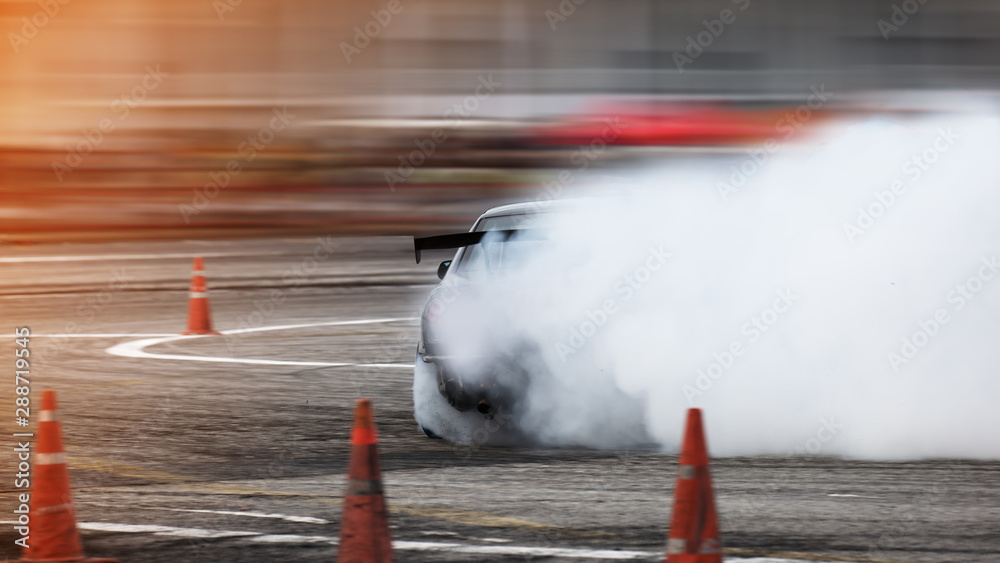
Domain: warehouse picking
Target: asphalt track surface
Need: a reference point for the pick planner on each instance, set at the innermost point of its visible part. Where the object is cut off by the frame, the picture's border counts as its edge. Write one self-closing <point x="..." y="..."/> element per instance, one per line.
<point x="234" y="447"/>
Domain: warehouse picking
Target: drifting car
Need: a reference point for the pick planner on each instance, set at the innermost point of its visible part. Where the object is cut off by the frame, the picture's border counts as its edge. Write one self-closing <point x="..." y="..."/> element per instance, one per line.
<point x="465" y="392"/>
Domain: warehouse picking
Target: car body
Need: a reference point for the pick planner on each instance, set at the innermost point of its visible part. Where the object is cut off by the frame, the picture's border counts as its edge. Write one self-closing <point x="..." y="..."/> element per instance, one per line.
<point x="468" y="392"/>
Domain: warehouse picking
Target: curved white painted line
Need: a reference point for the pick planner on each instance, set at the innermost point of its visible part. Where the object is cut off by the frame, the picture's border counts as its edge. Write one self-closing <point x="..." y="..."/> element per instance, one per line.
<point x="529" y="552"/>
<point x="136" y="348"/>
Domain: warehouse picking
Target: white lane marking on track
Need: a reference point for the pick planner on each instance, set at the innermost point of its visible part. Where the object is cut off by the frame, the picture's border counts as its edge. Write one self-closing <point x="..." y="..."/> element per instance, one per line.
<point x="455" y="535"/>
<point x="290" y="538"/>
<point x="162" y="530"/>
<point x="136" y="348"/>
<point x="399" y="545"/>
<point x="249" y="514"/>
<point x="325" y="323"/>
<point x="765" y="560"/>
<point x="526" y="551"/>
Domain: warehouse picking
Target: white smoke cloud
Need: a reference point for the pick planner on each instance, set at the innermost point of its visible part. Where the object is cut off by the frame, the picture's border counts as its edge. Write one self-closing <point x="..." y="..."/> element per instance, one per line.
<point x="844" y="300"/>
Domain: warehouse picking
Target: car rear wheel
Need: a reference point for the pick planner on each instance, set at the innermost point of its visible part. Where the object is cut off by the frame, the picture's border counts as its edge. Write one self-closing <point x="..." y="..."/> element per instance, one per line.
<point x="427" y="432"/>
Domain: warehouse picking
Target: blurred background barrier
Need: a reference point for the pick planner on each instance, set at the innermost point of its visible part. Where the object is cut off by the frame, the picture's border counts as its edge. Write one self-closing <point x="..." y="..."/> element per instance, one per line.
<point x="200" y="118"/>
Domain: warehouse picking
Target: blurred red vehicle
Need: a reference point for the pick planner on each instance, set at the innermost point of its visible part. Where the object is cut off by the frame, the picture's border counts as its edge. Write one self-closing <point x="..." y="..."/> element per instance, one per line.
<point x="659" y="123"/>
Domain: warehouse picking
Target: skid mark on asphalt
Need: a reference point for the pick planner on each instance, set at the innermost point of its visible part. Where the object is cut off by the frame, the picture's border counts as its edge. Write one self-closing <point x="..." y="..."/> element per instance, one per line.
<point x="163" y="477"/>
<point x="735" y="555"/>
<point x="136" y="348"/>
<point x="467" y="517"/>
<point x="194" y="484"/>
<point x="469" y="549"/>
<point x="457" y="516"/>
<point x="129" y="382"/>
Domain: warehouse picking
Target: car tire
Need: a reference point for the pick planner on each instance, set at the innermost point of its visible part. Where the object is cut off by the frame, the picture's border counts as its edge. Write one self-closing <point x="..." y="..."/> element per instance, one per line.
<point x="428" y="433"/>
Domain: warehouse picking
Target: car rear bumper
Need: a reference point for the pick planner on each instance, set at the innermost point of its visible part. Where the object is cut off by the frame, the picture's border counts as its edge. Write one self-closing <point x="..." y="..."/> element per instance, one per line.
<point x="478" y="383"/>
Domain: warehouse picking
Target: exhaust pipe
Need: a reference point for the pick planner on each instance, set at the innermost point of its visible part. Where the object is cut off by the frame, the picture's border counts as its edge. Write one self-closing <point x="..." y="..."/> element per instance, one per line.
<point x="484" y="407"/>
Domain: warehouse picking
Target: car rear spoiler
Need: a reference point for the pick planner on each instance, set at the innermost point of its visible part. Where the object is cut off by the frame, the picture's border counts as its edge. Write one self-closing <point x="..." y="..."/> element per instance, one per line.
<point x="458" y="240"/>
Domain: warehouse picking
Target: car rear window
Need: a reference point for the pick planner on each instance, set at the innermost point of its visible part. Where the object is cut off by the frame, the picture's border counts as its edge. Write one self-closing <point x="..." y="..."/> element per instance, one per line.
<point x="490" y="257"/>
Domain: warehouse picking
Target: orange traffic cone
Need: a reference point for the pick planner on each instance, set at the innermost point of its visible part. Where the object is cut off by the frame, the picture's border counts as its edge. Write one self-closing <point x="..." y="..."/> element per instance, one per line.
<point x="364" y="529"/>
<point x="694" y="529"/>
<point x="199" y="312"/>
<point x="51" y="525"/>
